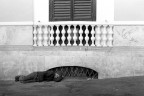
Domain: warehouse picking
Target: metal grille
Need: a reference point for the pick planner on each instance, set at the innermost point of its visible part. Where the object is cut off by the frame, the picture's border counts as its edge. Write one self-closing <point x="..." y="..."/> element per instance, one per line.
<point x="76" y="71"/>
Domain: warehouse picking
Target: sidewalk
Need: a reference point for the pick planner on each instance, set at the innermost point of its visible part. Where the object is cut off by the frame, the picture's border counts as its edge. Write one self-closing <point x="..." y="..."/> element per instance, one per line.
<point x="131" y="86"/>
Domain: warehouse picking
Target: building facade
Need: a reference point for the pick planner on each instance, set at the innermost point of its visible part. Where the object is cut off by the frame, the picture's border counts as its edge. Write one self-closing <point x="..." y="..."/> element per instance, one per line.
<point x="84" y="33"/>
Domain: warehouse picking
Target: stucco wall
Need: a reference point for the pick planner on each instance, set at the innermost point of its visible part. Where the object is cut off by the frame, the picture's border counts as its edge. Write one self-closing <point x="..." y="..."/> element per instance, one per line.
<point x="129" y="36"/>
<point x="18" y="56"/>
<point x="128" y="10"/>
<point x="16" y="35"/>
<point x="16" y="10"/>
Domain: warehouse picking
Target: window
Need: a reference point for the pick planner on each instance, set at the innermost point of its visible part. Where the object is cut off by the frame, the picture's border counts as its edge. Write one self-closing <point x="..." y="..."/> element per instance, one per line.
<point x="72" y="10"/>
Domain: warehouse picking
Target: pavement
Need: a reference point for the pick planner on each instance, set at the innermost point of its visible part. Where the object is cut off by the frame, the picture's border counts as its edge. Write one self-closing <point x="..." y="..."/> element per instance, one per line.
<point x="128" y="86"/>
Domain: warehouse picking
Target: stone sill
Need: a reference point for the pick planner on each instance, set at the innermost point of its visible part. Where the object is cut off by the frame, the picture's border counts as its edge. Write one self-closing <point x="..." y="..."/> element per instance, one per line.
<point x="69" y="48"/>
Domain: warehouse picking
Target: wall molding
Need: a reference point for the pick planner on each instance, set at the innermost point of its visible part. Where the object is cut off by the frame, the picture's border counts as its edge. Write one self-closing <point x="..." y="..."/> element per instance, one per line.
<point x="16" y="23"/>
<point x="118" y="23"/>
<point x="71" y="48"/>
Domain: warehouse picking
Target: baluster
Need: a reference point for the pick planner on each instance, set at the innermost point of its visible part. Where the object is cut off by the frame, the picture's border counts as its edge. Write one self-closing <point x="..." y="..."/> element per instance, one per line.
<point x="86" y="38"/>
<point x="80" y="37"/>
<point x="110" y="36"/>
<point x="104" y="36"/>
<point x="45" y="36"/>
<point x="35" y="36"/>
<point x="48" y="35"/>
<point x="92" y="38"/>
<point x="40" y="39"/>
<point x="51" y="35"/>
<point x="98" y="36"/>
<point x="57" y="35"/>
<point x="69" y="35"/>
<point x="63" y="35"/>
<point x="75" y="37"/>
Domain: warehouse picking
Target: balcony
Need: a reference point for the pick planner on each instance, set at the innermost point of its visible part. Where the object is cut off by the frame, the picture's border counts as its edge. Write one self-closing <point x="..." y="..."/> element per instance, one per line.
<point x="73" y="35"/>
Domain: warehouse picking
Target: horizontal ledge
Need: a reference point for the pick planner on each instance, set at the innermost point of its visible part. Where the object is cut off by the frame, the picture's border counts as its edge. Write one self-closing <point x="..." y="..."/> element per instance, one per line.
<point x="121" y="23"/>
<point x="49" y="48"/>
<point x="133" y="23"/>
<point x="16" y="48"/>
<point x="70" y="48"/>
<point x="16" y="23"/>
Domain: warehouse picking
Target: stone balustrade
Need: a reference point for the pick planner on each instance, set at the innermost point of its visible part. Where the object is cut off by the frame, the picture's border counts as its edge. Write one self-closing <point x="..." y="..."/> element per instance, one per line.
<point x="73" y="35"/>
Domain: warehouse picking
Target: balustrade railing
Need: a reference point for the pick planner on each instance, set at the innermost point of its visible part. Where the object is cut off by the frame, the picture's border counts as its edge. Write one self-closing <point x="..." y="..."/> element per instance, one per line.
<point x="73" y="35"/>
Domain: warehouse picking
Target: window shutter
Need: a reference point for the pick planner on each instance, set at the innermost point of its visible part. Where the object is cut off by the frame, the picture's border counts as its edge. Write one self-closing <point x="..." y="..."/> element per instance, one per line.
<point x="84" y="10"/>
<point x="60" y="10"/>
<point x="72" y="10"/>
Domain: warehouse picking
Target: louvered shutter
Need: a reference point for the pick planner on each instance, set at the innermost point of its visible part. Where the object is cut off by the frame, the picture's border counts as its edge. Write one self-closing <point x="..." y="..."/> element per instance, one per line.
<point x="60" y="10"/>
<point x="84" y="10"/>
<point x="72" y="10"/>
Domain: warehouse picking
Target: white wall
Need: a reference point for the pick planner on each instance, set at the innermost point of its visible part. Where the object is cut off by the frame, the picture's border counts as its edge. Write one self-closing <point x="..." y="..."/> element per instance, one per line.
<point x="16" y="10"/>
<point x="41" y="11"/>
<point x="129" y="10"/>
<point x="22" y="10"/>
<point x="104" y="11"/>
